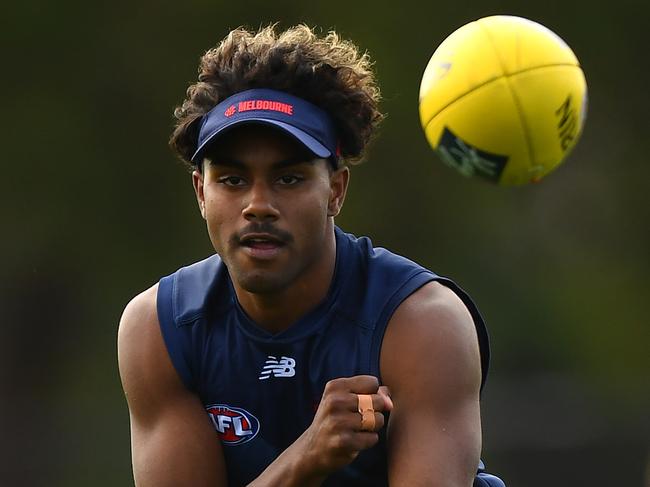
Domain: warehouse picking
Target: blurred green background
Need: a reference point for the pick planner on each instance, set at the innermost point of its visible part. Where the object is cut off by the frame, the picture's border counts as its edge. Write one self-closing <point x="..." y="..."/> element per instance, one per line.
<point x="95" y="209"/>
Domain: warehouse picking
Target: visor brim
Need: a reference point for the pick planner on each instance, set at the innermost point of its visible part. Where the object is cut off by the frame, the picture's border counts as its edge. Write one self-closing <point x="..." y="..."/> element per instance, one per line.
<point x="301" y="136"/>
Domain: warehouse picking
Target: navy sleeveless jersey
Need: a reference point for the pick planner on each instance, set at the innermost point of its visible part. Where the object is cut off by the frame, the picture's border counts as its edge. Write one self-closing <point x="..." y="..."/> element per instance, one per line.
<point x="261" y="390"/>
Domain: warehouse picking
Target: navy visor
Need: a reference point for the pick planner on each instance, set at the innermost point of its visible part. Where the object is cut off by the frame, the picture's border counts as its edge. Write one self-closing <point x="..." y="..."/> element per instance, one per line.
<point x="309" y="124"/>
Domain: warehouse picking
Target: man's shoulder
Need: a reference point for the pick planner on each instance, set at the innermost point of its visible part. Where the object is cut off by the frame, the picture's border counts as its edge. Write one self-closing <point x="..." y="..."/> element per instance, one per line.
<point x="149" y="379"/>
<point x="140" y="313"/>
<point x="437" y="299"/>
<point x="435" y="325"/>
<point x="186" y="287"/>
<point x="138" y="332"/>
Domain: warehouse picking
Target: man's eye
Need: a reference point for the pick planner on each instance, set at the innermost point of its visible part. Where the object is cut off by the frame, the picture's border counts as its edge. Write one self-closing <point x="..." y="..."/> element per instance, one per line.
<point x="289" y="179"/>
<point x="232" y="181"/>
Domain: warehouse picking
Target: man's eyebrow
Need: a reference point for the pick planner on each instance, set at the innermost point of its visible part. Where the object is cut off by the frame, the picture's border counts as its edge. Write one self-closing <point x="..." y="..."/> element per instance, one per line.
<point x="221" y="160"/>
<point x="226" y="161"/>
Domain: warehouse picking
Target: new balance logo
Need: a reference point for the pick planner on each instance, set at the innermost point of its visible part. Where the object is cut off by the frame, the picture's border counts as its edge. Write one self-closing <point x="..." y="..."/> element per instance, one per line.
<point x="285" y="367"/>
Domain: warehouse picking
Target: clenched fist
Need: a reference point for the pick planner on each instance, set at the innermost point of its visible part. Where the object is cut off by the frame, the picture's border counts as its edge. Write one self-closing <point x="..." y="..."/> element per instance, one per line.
<point x="336" y="436"/>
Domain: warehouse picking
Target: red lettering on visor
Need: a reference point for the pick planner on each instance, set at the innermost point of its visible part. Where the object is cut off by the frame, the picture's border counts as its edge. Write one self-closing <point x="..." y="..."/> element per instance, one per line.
<point x="267" y="105"/>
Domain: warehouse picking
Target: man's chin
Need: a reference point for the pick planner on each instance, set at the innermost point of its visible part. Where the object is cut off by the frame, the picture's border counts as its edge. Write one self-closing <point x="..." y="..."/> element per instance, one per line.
<point x="260" y="282"/>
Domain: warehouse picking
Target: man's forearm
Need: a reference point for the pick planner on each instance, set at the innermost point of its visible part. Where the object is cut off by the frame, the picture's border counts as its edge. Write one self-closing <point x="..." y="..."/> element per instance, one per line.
<point x="291" y="469"/>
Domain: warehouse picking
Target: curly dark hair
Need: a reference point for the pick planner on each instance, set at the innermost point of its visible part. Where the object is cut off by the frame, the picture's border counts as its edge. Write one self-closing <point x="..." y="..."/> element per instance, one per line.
<point x="328" y="71"/>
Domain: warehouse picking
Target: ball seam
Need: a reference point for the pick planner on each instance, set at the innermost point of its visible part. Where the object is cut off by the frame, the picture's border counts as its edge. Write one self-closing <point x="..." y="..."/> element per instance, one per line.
<point x="460" y="97"/>
<point x="515" y="98"/>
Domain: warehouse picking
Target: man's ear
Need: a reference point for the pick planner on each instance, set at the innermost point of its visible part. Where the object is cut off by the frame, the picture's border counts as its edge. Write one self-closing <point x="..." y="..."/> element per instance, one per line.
<point x="197" y="182"/>
<point x="339" y="180"/>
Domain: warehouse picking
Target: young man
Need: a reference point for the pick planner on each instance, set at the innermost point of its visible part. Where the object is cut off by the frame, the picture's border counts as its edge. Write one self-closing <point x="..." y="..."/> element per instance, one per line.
<point x="297" y="355"/>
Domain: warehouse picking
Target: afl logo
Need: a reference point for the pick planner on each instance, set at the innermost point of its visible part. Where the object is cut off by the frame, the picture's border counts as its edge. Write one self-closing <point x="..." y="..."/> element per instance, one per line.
<point x="234" y="425"/>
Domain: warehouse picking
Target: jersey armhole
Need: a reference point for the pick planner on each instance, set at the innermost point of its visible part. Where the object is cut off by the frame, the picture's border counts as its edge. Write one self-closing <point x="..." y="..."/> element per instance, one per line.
<point x="479" y="325"/>
<point x="177" y="338"/>
<point x="411" y="285"/>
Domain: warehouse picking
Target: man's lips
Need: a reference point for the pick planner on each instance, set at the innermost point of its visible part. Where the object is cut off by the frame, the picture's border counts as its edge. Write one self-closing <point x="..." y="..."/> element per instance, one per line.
<point x="260" y="241"/>
<point x="261" y="246"/>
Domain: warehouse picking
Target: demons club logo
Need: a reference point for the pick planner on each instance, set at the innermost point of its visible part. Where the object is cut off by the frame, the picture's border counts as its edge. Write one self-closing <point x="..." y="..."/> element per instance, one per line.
<point x="234" y="425"/>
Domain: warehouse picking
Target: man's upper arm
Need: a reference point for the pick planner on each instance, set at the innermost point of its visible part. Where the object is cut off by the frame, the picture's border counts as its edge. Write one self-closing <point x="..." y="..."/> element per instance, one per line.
<point x="172" y="440"/>
<point x="430" y="361"/>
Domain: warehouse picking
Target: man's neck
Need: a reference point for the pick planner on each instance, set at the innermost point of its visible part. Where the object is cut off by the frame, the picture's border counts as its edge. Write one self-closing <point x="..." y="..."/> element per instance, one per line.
<point x="275" y="312"/>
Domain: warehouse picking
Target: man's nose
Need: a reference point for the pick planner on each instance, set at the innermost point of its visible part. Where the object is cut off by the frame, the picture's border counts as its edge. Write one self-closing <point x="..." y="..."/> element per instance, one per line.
<point x="260" y="204"/>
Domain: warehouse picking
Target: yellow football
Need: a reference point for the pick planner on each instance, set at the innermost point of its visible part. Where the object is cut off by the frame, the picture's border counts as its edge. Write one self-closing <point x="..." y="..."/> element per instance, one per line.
<point x="503" y="98"/>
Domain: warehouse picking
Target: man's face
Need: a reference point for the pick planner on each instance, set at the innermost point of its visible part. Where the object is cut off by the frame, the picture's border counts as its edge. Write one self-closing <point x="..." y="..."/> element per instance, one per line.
<point x="268" y="204"/>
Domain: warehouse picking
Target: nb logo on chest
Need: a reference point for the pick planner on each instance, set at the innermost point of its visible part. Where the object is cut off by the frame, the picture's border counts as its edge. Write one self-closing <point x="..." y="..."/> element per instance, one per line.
<point x="285" y="367"/>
